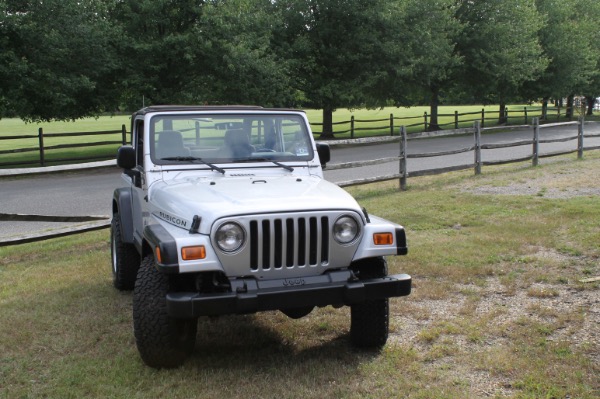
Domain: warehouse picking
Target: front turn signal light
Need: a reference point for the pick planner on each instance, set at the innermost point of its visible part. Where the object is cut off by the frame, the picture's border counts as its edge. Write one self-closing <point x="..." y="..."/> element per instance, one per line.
<point x="193" y="253"/>
<point x="383" y="239"/>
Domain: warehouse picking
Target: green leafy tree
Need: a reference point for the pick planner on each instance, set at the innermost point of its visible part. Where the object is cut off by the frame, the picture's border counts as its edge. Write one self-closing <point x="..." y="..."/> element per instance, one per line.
<point x="589" y="10"/>
<point x="571" y="51"/>
<point x="240" y="64"/>
<point x="191" y="51"/>
<point x="57" y="61"/>
<point x="428" y="35"/>
<point x="340" y="53"/>
<point x="157" y="51"/>
<point x="501" y="49"/>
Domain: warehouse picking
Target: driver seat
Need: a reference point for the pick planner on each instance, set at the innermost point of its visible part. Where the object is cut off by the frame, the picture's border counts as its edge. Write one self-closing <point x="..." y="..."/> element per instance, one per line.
<point x="170" y="144"/>
<point x="237" y="144"/>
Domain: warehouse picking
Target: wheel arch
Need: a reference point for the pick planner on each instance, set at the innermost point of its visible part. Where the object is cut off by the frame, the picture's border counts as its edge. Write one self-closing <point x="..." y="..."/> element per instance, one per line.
<point x="121" y="205"/>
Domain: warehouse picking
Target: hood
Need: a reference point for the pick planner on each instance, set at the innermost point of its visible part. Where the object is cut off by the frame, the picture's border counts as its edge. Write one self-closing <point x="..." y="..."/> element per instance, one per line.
<point x="177" y="201"/>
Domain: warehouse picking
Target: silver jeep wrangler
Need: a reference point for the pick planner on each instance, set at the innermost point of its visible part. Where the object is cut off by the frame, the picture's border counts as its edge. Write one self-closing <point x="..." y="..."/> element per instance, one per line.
<point x="224" y="210"/>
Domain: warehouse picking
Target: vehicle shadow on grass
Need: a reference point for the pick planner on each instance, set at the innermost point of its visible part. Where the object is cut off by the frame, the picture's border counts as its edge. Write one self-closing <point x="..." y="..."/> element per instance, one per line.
<point x="270" y="341"/>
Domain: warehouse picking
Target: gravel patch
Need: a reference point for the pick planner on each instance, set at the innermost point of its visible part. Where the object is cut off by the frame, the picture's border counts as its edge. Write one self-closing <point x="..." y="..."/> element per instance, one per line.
<point x="568" y="308"/>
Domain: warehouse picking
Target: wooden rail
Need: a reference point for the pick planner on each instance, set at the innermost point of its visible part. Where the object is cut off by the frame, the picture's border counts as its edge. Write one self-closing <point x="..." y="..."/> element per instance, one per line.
<point x="476" y="148"/>
<point x="42" y="148"/>
<point x="353" y="126"/>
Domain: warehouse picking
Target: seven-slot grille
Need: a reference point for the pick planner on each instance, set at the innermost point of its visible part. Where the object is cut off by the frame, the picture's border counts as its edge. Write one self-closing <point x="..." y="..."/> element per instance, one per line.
<point x="289" y="242"/>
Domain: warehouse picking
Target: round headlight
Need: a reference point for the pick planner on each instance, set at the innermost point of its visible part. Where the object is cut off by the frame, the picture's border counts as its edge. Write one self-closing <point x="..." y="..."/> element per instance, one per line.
<point x="345" y="230"/>
<point x="230" y="237"/>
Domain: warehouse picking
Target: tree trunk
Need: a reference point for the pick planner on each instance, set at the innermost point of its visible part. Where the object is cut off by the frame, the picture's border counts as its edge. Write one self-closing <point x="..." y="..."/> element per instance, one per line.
<point x="433" y="105"/>
<point x="502" y="113"/>
<point x="327" y="132"/>
<point x="590" y="105"/>
<point x="569" y="111"/>
<point x="544" y="108"/>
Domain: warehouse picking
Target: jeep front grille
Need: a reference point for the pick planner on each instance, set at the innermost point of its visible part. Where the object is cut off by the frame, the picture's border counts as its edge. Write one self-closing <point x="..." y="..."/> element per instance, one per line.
<point x="289" y="242"/>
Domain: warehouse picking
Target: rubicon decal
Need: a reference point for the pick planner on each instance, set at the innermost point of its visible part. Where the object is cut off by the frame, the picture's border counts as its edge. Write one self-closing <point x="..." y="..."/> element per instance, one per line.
<point x="172" y="219"/>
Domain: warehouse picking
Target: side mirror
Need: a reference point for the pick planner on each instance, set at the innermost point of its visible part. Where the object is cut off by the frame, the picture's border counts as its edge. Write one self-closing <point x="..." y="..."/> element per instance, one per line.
<point x="126" y="157"/>
<point x="324" y="153"/>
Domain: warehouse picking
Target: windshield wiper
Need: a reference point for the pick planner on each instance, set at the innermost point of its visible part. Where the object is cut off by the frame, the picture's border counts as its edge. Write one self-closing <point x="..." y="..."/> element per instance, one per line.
<point x="195" y="159"/>
<point x="286" y="167"/>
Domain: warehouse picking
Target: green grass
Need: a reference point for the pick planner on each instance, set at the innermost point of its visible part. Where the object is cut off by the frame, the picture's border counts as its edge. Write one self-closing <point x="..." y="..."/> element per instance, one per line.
<point x="414" y="115"/>
<point x="413" y="118"/>
<point x="497" y="309"/>
<point x="16" y="127"/>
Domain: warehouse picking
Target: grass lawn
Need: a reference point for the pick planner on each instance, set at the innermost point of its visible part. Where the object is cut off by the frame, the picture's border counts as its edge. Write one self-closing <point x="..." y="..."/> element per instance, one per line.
<point x="16" y="127"/>
<point x="364" y="127"/>
<point x="498" y="308"/>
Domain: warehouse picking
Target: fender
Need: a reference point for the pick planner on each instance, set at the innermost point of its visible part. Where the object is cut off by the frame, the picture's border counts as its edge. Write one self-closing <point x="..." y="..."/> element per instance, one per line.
<point x="122" y="200"/>
<point x="158" y="237"/>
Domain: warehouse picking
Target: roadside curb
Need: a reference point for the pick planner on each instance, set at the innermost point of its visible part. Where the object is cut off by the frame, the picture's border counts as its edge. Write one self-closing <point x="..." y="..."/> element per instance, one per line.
<point x="56" y="169"/>
<point x="62" y="232"/>
<point x="21" y="217"/>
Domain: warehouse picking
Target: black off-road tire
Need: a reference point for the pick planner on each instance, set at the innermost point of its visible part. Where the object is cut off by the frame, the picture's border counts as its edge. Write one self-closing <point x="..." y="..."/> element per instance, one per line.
<point x="163" y="341"/>
<point x="124" y="258"/>
<point x="369" y="321"/>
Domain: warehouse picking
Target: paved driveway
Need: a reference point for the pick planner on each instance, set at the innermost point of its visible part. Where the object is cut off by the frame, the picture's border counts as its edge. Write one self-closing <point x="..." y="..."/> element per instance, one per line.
<point x="88" y="192"/>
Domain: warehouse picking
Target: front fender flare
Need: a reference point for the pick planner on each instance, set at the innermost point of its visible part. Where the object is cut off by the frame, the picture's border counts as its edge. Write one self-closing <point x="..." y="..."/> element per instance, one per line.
<point x="122" y="206"/>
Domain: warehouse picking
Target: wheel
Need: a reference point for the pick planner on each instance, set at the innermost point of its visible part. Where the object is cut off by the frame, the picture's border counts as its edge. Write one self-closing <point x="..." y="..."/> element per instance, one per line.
<point x="163" y="341"/>
<point x="125" y="258"/>
<point x="369" y="321"/>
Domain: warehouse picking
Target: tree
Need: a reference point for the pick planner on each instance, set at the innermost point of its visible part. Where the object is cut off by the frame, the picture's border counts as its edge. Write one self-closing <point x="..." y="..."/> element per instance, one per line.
<point x="340" y="53"/>
<point x="500" y="47"/>
<point x="570" y="52"/>
<point x="57" y="60"/>
<point x="428" y="36"/>
<point x="201" y="52"/>
<point x="10" y="65"/>
<point x="157" y="50"/>
<point x="238" y="43"/>
<point x="589" y="11"/>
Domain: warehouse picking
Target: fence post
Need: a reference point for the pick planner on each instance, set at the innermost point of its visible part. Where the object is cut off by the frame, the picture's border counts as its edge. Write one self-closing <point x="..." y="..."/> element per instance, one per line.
<point x="580" y="129"/>
<point x="477" y="126"/>
<point x="425" y="120"/>
<point x="391" y="124"/>
<point x="403" y="173"/>
<point x="123" y="134"/>
<point x="482" y="117"/>
<point x="536" y="141"/>
<point x="525" y="112"/>
<point x="352" y="127"/>
<point x="456" y="119"/>
<point x="41" y="140"/>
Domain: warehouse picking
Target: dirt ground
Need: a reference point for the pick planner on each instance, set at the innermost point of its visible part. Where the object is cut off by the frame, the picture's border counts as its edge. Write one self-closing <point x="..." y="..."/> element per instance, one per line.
<point x="570" y="306"/>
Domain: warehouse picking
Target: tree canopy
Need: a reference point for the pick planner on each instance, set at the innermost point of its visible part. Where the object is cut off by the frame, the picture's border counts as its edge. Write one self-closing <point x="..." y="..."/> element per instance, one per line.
<point x="501" y="48"/>
<point x="67" y="59"/>
<point x="57" y="61"/>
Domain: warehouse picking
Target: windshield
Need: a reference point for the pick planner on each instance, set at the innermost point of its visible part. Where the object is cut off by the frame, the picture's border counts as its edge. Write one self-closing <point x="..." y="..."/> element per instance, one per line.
<point x="226" y="138"/>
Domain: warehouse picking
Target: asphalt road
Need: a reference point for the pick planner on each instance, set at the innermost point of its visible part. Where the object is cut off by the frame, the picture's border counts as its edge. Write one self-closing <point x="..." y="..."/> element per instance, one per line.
<point x="88" y="192"/>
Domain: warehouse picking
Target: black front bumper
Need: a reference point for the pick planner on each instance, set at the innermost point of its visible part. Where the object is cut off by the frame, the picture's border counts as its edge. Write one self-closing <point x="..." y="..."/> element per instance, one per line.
<point x="249" y="295"/>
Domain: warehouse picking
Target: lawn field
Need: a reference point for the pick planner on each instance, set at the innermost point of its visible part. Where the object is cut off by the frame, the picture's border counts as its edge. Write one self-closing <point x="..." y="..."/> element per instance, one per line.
<point x="374" y="122"/>
<point x="500" y="307"/>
